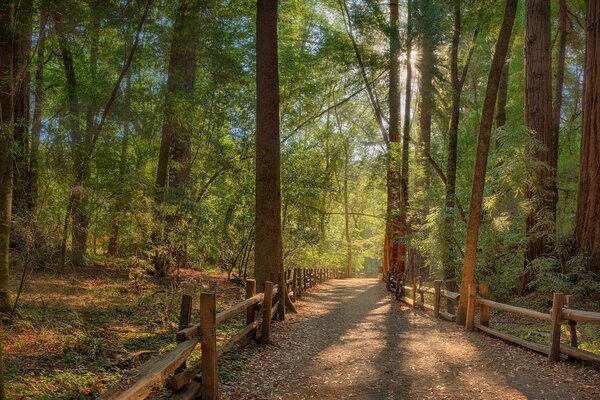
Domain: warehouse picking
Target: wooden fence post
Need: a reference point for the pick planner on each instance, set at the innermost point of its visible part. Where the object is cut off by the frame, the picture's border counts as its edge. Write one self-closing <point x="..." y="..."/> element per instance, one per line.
<point x="250" y="313"/>
<point x="558" y="300"/>
<point x="437" y="297"/>
<point x="185" y="318"/>
<point x="570" y="303"/>
<point x="450" y="286"/>
<point x="281" y="297"/>
<point x="470" y="322"/>
<point x="294" y="287"/>
<point x="484" y="310"/>
<point x="208" y="329"/>
<point x="303" y="279"/>
<point x="299" y="281"/>
<point x="414" y="293"/>
<point x="266" y="313"/>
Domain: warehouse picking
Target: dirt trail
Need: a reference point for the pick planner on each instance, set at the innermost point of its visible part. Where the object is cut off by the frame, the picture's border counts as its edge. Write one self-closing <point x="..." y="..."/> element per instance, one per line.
<point x="351" y="340"/>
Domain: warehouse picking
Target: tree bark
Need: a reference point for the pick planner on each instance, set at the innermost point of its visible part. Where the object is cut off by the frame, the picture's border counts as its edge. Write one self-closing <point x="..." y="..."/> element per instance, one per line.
<point x="22" y="45"/>
<point x="483" y="145"/>
<point x="6" y="144"/>
<point x="175" y="147"/>
<point x="404" y="204"/>
<point x="587" y="223"/>
<point x="268" y="245"/>
<point x="540" y="195"/>
<point x="394" y="154"/>
<point x="563" y="31"/>
<point x="449" y="266"/>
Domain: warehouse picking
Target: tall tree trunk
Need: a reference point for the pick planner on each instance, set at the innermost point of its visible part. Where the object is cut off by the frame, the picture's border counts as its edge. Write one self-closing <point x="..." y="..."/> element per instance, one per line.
<point x="587" y="223"/>
<point x="538" y="118"/>
<point x="77" y="194"/>
<point x="483" y="146"/>
<point x="120" y="202"/>
<point x="502" y="98"/>
<point x="394" y="154"/>
<point x="268" y="246"/>
<point x="174" y="156"/>
<point x="347" y="213"/>
<point x="404" y="228"/>
<point x="449" y="267"/>
<point x="6" y="144"/>
<point x="563" y="31"/>
<point x="426" y="104"/>
<point x="449" y="257"/>
<point x="37" y="112"/>
<point x="22" y="45"/>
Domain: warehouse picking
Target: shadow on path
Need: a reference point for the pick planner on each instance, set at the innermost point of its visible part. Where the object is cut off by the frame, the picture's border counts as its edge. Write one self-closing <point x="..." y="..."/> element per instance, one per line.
<point x="351" y="340"/>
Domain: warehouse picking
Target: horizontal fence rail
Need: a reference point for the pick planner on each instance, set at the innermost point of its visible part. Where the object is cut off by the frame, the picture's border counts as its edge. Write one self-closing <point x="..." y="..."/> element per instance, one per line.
<point x="562" y="313"/>
<point x="171" y="369"/>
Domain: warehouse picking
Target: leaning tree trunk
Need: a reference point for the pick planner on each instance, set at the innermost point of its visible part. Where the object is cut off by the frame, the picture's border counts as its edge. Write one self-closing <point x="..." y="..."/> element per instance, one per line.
<point x="175" y="148"/>
<point x="538" y="118"/>
<point x="587" y="223"/>
<point x="483" y="146"/>
<point x="268" y="245"/>
<point x="6" y="141"/>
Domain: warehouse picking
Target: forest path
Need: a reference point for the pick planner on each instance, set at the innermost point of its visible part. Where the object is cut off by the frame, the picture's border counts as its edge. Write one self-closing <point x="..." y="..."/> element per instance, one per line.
<point x="351" y="340"/>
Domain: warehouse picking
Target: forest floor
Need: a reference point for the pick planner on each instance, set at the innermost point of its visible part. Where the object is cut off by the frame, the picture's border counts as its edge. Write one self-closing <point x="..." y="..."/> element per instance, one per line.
<point x="77" y="332"/>
<point x="351" y="340"/>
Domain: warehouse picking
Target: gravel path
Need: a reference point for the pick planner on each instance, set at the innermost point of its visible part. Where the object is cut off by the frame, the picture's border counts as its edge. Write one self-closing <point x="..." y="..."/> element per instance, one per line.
<point x="350" y="340"/>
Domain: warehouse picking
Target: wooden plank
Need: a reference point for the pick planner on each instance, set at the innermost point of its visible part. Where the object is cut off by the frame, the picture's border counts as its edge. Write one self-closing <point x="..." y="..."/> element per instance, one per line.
<point x="240" y="307"/>
<point x="578" y="353"/>
<point x="447" y="316"/>
<point x="449" y="295"/>
<point x="513" y="339"/>
<point x="519" y="310"/>
<point x="153" y="373"/>
<point x="581" y="316"/>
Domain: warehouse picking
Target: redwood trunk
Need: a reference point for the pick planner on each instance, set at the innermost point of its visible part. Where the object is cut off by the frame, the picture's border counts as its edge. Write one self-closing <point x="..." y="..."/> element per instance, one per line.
<point x="268" y="246"/>
<point x="6" y="140"/>
<point x="404" y="228"/>
<point x="587" y="222"/>
<point x="538" y="118"/>
<point x="483" y="146"/>
<point x="393" y="182"/>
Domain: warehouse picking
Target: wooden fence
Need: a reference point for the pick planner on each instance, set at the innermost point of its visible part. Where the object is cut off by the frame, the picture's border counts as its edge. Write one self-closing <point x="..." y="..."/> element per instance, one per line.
<point x="171" y="369"/>
<point x="562" y="312"/>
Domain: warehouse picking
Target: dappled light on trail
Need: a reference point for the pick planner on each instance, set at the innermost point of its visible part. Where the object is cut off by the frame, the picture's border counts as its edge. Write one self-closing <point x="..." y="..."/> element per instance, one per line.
<point x="352" y="340"/>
